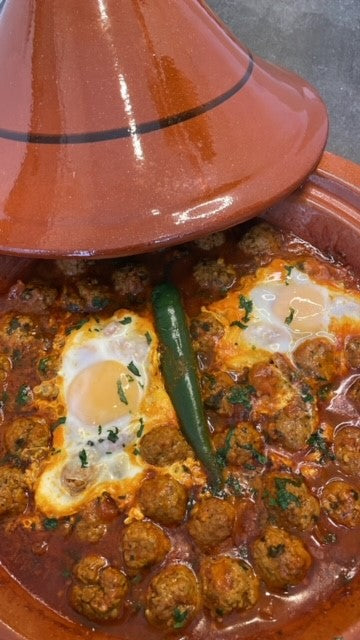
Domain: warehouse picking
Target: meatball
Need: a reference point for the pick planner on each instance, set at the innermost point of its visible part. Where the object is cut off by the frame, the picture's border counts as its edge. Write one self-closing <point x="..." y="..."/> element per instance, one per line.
<point x="211" y="242"/>
<point x="163" y="499"/>
<point x="227" y="585"/>
<point x="341" y="501"/>
<point x="28" y="438"/>
<point x="144" y="544"/>
<point x="317" y="359"/>
<point x="205" y="331"/>
<point x="260" y="241"/>
<point x="240" y="446"/>
<point x="271" y="386"/>
<point x="172" y="598"/>
<point x="95" y="296"/>
<point x="72" y="266"/>
<point x="214" y="276"/>
<point x="100" y="591"/>
<point x="130" y="282"/>
<point x="34" y="295"/>
<point x="347" y="449"/>
<point x="289" y="501"/>
<point x="292" y="426"/>
<point x="280" y="558"/>
<point x="352" y="352"/>
<point x="13" y="491"/>
<point x="163" y="446"/>
<point x="211" y="522"/>
<point x="354" y="394"/>
<point x="92" y="525"/>
<point x="216" y="389"/>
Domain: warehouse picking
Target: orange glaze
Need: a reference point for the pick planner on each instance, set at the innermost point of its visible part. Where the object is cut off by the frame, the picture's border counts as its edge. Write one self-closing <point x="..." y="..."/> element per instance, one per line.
<point x="31" y="552"/>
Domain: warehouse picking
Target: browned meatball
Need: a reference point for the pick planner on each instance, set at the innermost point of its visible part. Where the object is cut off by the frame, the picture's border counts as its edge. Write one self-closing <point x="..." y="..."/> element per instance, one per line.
<point x="281" y="559"/>
<point x="211" y="522"/>
<point x="354" y="394"/>
<point x="289" y="501"/>
<point x="347" y="449"/>
<point x="73" y="266"/>
<point x="269" y="382"/>
<point x="341" y="501"/>
<point x="214" y="276"/>
<point x="205" y="331"/>
<point x="144" y="544"/>
<point x="292" y="426"/>
<point x="130" y="282"/>
<point x="352" y="352"/>
<point x="216" y="388"/>
<point x="163" y="446"/>
<point x="95" y="296"/>
<point x="163" y="499"/>
<point x="94" y="519"/>
<point x="100" y="593"/>
<point x="28" y="438"/>
<point x="227" y="585"/>
<point x="241" y="446"/>
<point x="211" y="242"/>
<point x="34" y="296"/>
<point x="173" y="598"/>
<point x="317" y="359"/>
<point x="261" y="241"/>
<point x="13" y="491"/>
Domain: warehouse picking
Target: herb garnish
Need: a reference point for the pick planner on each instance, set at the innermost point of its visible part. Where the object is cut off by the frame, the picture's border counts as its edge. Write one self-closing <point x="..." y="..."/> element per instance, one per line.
<point x="99" y="429"/>
<point x="50" y="524"/>
<point x="318" y="442"/>
<point x="222" y="454"/>
<point x="125" y="320"/>
<point x="121" y="392"/>
<point x="179" y="618"/>
<point x="83" y="458"/>
<point x="246" y="304"/>
<point x="58" y="422"/>
<point x="306" y="394"/>
<point x="234" y="485"/>
<point x="255" y="453"/>
<point x="133" y="368"/>
<point x="276" y="551"/>
<point x="16" y="355"/>
<point x="290" y="317"/>
<point x="77" y="326"/>
<point x="23" y="396"/>
<point x="13" y="325"/>
<point x="140" y="429"/>
<point x="43" y="365"/>
<point x="113" y="435"/>
<point x="288" y="268"/>
<point x="239" y="324"/>
<point x="99" y="303"/>
<point x="148" y="337"/>
<point x="284" y="498"/>
<point x="242" y="395"/>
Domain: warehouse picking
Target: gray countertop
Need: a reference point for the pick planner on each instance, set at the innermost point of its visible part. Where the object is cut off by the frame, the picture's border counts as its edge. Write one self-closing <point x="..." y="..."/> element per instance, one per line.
<point x="320" y="40"/>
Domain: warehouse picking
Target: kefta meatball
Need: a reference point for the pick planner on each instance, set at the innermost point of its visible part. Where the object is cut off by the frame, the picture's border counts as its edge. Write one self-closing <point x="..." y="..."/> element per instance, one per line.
<point x="211" y="242"/>
<point x="241" y="446"/>
<point x="27" y="438"/>
<point x="352" y="352"/>
<point x="261" y="240"/>
<point x="347" y="449"/>
<point x="317" y="358"/>
<point x="144" y="544"/>
<point x="281" y="559"/>
<point x="173" y="598"/>
<point x="163" y="499"/>
<point x="93" y="521"/>
<point x="341" y="501"/>
<point x="211" y="522"/>
<point x="214" y="276"/>
<point x="227" y="585"/>
<point x="100" y="591"/>
<point x="130" y="282"/>
<point x="271" y="386"/>
<point x="13" y="491"/>
<point x="289" y="501"/>
<point x="292" y="426"/>
<point x="163" y="446"/>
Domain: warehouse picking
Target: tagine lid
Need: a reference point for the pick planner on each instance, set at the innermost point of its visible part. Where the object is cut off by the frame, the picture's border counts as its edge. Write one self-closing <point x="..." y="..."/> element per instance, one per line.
<point x="127" y="126"/>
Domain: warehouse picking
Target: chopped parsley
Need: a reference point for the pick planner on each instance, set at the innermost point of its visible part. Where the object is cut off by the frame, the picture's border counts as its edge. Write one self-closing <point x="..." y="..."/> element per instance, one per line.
<point x="23" y="396"/>
<point x="99" y="303"/>
<point x="125" y="320"/>
<point x="121" y="392"/>
<point x="246" y="304"/>
<point x="133" y="368"/>
<point x="179" y="618"/>
<point x="16" y="355"/>
<point x="140" y="429"/>
<point x="318" y="442"/>
<point x="99" y="429"/>
<point x="288" y="268"/>
<point x="136" y="579"/>
<point x="290" y="317"/>
<point x="148" y="337"/>
<point x="276" y="551"/>
<point x="283" y="497"/>
<point x="222" y="454"/>
<point x="234" y="485"/>
<point x="13" y="325"/>
<point x="136" y="452"/>
<point x="90" y="443"/>
<point x="255" y="453"/>
<point x="113" y="434"/>
<point x="50" y="524"/>
<point x="58" y="422"/>
<point x="77" y="326"/>
<point x="83" y="459"/>
<point x="330" y="538"/>
<point x="324" y="392"/>
<point x="43" y="365"/>
<point x="239" y="324"/>
<point x="242" y="395"/>
<point x="306" y="394"/>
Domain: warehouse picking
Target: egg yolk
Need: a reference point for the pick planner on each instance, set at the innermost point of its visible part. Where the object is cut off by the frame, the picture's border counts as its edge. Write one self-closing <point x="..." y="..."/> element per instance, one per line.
<point x="304" y="306"/>
<point x="103" y="392"/>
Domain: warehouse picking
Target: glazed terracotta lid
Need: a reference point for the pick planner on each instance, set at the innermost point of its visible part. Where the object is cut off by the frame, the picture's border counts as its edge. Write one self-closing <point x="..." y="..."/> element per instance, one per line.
<point x="130" y="125"/>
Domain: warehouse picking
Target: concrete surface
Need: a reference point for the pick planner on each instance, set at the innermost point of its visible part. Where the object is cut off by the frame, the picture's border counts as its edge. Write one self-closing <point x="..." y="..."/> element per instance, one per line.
<point x="320" y="40"/>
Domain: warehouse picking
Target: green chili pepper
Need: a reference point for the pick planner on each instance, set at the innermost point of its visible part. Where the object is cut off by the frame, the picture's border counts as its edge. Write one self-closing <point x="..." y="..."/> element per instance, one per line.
<point x="180" y="373"/>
